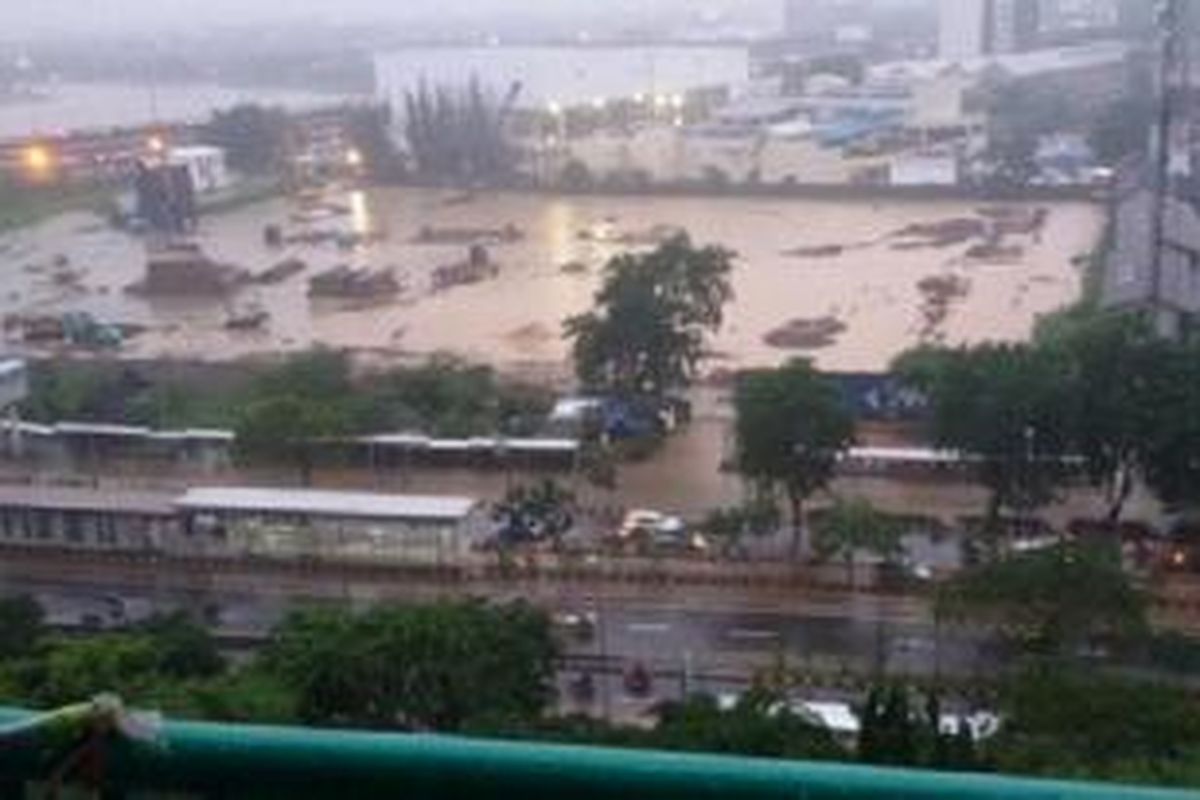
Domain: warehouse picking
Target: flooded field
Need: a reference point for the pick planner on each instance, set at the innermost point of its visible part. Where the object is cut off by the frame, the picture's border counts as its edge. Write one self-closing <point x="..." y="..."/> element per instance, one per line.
<point x="850" y="284"/>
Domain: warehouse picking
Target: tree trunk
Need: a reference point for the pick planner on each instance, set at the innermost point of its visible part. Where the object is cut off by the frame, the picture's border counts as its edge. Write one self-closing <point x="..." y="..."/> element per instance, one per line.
<point x="1122" y="489"/>
<point x="992" y="532"/>
<point x="799" y="546"/>
<point x="305" y="462"/>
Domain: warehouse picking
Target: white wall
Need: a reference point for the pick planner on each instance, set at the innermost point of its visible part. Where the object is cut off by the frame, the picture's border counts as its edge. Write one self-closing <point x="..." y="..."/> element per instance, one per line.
<point x="924" y="170"/>
<point x="14" y="383"/>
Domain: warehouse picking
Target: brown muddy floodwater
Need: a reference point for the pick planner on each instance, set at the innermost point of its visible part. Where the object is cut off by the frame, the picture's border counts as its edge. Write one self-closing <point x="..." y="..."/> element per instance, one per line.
<point x="826" y="279"/>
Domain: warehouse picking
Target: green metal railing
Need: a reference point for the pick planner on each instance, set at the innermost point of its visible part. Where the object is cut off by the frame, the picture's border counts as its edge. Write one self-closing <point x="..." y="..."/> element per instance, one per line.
<point x="235" y="761"/>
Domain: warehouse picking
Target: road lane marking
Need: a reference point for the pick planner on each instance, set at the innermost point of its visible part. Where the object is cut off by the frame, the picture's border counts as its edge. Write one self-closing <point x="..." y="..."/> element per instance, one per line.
<point x="649" y="627"/>
<point x="749" y="634"/>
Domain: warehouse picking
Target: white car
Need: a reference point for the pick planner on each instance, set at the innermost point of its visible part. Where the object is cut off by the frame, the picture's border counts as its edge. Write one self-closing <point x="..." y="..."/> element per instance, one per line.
<point x="659" y="531"/>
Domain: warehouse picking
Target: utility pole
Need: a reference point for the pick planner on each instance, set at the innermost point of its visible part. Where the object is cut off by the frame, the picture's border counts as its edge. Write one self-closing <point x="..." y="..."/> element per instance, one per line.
<point x="1173" y="77"/>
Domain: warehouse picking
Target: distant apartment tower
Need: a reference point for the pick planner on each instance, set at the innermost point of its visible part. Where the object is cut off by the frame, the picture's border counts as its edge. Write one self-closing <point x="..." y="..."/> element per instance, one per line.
<point x="1014" y="25"/>
<point x="1136" y="17"/>
<point x="970" y="29"/>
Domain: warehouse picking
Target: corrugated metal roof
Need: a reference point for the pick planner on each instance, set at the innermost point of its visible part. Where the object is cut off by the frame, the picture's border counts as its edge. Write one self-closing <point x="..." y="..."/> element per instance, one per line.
<point x="328" y="503"/>
<point x="72" y="499"/>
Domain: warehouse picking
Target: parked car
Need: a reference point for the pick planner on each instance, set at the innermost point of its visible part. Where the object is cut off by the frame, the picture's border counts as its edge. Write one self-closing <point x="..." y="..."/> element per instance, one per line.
<point x="655" y="532"/>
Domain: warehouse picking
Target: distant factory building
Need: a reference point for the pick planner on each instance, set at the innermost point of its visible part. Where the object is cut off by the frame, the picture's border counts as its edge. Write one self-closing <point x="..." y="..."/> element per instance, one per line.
<point x="560" y="77"/>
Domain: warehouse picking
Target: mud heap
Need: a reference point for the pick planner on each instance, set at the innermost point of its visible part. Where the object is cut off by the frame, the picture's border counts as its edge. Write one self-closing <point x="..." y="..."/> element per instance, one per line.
<point x="349" y="283"/>
<point x="507" y="235"/>
<point x="478" y="268"/>
<point x="184" y="269"/>
<point x="807" y="334"/>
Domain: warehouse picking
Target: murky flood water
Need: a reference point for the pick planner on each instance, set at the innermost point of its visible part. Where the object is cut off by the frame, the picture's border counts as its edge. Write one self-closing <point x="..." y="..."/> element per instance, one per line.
<point x="857" y="277"/>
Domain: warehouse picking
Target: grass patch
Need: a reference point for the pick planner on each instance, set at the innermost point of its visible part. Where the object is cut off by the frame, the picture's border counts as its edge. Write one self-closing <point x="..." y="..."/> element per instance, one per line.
<point x="25" y="205"/>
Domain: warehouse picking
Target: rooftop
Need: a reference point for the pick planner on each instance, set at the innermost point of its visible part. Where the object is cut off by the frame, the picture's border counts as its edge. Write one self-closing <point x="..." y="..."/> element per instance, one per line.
<point x="72" y="499"/>
<point x="328" y="504"/>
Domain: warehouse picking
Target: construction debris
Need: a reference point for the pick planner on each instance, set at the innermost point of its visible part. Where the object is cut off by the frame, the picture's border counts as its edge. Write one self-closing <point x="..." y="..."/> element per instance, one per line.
<point x="74" y="328"/>
<point x="184" y="269"/>
<point x="476" y="269"/>
<point x="807" y="334"/>
<point x="348" y="283"/>
<point x="939" y="293"/>
<point x="281" y="272"/>
<point x="996" y="253"/>
<point x="937" y="235"/>
<point x="818" y="251"/>
<point x="432" y="235"/>
<point x="1016" y="221"/>
<point x="252" y="317"/>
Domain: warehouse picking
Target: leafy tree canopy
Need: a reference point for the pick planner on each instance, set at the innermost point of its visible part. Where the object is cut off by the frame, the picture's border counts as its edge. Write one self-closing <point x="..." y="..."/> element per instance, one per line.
<point x="653" y="313"/>
<point x="431" y="667"/>
<point x="791" y="428"/>
<point x="1056" y="600"/>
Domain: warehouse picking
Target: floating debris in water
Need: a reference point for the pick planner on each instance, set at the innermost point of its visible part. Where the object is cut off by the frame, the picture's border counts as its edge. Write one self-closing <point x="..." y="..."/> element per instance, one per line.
<point x="807" y="334"/>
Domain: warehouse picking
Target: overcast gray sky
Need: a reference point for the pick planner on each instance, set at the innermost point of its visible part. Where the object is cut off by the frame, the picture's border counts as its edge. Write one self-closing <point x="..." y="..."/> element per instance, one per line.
<point x="24" y="17"/>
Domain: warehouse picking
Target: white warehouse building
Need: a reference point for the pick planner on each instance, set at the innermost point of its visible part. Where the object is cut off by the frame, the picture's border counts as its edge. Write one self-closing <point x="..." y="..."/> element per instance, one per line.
<point x="205" y="165"/>
<point x="562" y="76"/>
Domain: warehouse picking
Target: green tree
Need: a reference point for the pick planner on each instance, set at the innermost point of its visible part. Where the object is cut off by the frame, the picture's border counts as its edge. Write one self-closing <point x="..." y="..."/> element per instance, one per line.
<point x="791" y="429"/>
<point x="895" y="731"/>
<point x="1055" y="601"/>
<point x="889" y="731"/>
<point x="1171" y="462"/>
<point x="1115" y="374"/>
<point x="369" y="129"/>
<point x="760" y="725"/>
<point x="458" y="133"/>
<point x="185" y="649"/>
<point x="22" y="626"/>
<point x="72" y="670"/>
<point x="287" y="430"/>
<point x="853" y="526"/>
<point x="434" y="667"/>
<point x="1007" y="406"/>
<point x="250" y="694"/>
<point x="731" y="526"/>
<point x="291" y="408"/>
<point x="646" y="335"/>
<point x="1076" y="723"/>
<point x="254" y="137"/>
<point x="445" y="397"/>
<point x="576" y="177"/>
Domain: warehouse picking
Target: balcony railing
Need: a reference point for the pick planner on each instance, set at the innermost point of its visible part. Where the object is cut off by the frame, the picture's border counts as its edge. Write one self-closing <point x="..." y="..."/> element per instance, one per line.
<point x="234" y="761"/>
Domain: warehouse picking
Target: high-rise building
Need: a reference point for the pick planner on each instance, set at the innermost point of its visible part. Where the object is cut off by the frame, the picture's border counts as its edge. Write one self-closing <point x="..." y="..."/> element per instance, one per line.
<point x="971" y="29"/>
<point x="962" y="25"/>
<point x="1154" y="262"/>
<point x="1013" y="26"/>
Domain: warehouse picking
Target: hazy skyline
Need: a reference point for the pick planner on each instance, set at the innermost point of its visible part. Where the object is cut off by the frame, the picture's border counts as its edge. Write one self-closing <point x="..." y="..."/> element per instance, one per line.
<point x="26" y="18"/>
